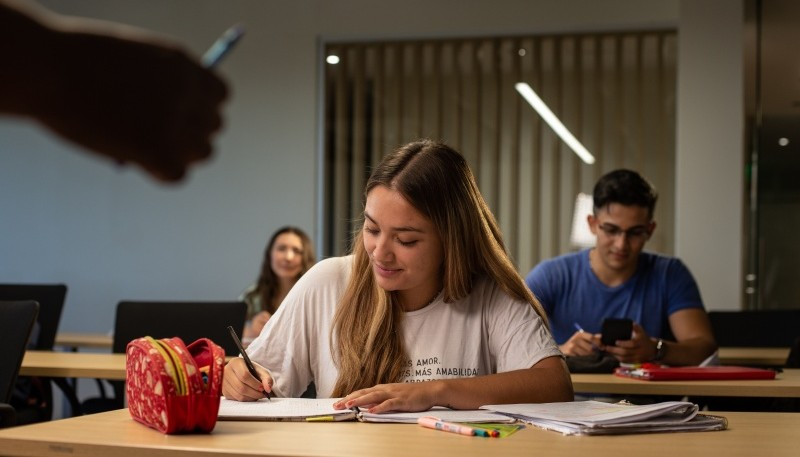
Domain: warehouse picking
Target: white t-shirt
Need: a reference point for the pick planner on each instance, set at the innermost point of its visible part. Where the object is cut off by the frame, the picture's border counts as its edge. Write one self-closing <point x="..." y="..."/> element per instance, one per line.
<point x="485" y="333"/>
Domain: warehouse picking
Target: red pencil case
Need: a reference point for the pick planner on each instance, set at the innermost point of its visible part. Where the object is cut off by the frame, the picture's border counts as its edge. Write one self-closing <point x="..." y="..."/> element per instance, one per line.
<point x="172" y="387"/>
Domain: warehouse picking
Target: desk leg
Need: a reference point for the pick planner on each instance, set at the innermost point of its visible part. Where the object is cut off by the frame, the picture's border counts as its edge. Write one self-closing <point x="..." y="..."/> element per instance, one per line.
<point x="69" y="392"/>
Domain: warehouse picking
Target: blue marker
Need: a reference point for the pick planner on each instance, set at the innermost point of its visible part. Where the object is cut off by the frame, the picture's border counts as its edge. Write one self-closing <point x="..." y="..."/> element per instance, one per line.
<point x="222" y="46"/>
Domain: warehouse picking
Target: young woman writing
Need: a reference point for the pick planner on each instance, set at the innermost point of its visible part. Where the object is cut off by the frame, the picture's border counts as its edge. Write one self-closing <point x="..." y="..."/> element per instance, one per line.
<point x="428" y="294"/>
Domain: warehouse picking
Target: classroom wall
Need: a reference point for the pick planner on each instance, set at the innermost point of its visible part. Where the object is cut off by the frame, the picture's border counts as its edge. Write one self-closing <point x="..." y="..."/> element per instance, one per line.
<point x="113" y="234"/>
<point x="709" y="234"/>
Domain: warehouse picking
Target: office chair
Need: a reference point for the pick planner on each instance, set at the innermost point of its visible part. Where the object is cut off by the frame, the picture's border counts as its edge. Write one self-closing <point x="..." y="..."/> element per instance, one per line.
<point x="51" y="303"/>
<point x="164" y="319"/>
<point x="16" y="322"/>
<point x="755" y="328"/>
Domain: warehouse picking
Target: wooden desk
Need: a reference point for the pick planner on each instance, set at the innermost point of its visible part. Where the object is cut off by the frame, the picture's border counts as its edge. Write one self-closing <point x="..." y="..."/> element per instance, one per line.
<point x="769" y="357"/>
<point x="112" y="366"/>
<point x="84" y="340"/>
<point x="53" y="364"/>
<point x="785" y="384"/>
<point x="115" y="434"/>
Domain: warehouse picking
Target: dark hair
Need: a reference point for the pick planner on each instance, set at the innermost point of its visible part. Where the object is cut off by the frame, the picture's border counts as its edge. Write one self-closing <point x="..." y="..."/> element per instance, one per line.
<point x="260" y="297"/>
<point x="625" y="187"/>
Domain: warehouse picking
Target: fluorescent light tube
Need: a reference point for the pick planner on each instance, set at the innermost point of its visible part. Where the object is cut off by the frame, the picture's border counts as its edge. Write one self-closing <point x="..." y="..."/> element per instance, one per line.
<point x="530" y="96"/>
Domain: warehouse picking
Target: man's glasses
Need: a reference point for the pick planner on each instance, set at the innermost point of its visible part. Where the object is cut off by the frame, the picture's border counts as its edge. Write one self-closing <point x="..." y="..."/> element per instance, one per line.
<point x="637" y="233"/>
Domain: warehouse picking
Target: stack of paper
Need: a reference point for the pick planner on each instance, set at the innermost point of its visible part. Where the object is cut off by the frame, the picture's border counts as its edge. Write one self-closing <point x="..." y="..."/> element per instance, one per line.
<point x="570" y="418"/>
<point x="445" y="414"/>
<point x="598" y="418"/>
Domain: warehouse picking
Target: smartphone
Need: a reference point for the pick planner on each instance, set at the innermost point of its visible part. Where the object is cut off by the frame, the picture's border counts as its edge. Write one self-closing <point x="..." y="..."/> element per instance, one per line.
<point x="616" y="329"/>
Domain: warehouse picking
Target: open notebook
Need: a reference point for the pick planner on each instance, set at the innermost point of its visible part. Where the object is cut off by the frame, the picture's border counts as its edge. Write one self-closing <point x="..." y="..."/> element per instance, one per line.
<point x="321" y="409"/>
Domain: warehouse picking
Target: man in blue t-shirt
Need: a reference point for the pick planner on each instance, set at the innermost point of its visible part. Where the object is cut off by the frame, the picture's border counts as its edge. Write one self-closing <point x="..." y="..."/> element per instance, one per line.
<point x="616" y="279"/>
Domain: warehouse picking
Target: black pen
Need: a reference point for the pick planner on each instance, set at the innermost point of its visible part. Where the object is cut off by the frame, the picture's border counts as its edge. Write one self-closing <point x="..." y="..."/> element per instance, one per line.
<point x="250" y="367"/>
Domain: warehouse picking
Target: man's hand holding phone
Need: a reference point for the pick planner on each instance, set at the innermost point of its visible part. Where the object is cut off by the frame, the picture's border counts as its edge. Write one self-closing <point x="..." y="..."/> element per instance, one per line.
<point x="636" y="348"/>
<point x="615" y="330"/>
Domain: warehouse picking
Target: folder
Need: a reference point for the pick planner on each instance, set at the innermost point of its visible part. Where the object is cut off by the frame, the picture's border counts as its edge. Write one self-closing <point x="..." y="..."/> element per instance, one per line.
<point x="659" y="373"/>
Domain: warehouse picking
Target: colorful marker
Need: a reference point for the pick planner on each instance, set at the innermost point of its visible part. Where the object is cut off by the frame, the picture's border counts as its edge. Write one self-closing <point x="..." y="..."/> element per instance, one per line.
<point x="438" y="424"/>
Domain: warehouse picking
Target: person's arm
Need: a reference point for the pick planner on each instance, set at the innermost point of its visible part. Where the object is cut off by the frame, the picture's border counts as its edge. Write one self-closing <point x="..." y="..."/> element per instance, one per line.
<point x="118" y="91"/>
<point x="254" y="326"/>
<point x="693" y="335"/>
<point x="547" y="381"/>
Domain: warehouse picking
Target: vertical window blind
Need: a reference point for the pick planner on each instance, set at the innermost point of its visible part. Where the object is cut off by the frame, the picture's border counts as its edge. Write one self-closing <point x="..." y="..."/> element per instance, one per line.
<point x="614" y="91"/>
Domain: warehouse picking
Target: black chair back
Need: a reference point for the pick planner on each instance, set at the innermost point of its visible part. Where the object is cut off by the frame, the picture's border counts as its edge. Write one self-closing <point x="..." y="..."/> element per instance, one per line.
<point x="16" y="322"/>
<point x="759" y="328"/>
<point x="188" y="320"/>
<point x="51" y="303"/>
<point x="33" y="399"/>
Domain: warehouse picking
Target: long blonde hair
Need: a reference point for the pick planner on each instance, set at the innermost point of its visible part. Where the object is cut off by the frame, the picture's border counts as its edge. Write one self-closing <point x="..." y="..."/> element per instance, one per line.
<point x="436" y="180"/>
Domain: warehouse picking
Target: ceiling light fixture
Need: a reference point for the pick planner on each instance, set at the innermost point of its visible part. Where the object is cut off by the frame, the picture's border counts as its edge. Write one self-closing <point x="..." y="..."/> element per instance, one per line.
<point x="530" y="96"/>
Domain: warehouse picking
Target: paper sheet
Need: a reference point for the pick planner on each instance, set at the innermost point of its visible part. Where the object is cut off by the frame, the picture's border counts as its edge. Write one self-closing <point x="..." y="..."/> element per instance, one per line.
<point x="282" y="409"/>
<point x="447" y="415"/>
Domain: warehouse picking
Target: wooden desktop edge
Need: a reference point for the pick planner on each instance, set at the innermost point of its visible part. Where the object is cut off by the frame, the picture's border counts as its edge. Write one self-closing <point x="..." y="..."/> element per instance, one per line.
<point x="54" y="364"/>
<point x="754" y="356"/>
<point x="75" y="340"/>
<point x="112" y="366"/>
<point x="115" y="434"/>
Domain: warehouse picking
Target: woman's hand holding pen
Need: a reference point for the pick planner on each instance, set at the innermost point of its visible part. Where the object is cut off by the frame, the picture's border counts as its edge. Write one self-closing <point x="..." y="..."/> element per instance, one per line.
<point x="238" y="384"/>
<point x="392" y="397"/>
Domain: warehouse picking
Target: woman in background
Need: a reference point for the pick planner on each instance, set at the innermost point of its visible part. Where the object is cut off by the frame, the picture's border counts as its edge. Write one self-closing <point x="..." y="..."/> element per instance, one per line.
<point x="288" y="255"/>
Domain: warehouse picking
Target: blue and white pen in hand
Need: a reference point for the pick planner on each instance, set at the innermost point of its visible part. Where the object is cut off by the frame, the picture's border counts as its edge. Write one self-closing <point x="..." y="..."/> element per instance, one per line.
<point x="250" y="367"/>
<point x="222" y="46"/>
<point x="581" y="330"/>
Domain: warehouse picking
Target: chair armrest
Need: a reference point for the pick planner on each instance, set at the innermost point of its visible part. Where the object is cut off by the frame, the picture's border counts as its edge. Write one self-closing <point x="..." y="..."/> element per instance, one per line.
<point x="8" y="416"/>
